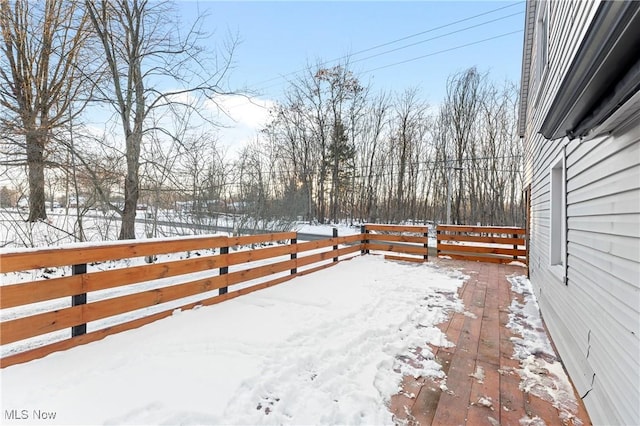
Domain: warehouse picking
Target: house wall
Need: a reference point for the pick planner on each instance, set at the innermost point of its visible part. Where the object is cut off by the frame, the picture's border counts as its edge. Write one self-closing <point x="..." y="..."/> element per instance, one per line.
<point x="594" y="319"/>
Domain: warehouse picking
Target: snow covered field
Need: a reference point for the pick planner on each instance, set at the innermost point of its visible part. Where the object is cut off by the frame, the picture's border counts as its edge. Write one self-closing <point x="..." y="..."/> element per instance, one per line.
<point x="62" y="227"/>
<point x="329" y="348"/>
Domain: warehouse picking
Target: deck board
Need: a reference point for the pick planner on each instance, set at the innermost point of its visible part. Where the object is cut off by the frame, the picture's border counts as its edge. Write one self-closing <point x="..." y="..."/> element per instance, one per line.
<point x="482" y="340"/>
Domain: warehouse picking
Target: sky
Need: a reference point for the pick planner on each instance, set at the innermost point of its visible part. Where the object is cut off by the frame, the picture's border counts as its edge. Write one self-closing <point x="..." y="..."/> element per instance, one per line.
<point x="391" y="45"/>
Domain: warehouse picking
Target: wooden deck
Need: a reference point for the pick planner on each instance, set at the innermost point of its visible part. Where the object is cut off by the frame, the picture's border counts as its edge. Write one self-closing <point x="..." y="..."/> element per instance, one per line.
<point x="481" y="339"/>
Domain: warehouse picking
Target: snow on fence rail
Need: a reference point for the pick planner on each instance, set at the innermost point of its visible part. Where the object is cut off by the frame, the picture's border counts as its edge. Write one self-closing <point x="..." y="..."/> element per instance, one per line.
<point x="122" y="298"/>
<point x="496" y="244"/>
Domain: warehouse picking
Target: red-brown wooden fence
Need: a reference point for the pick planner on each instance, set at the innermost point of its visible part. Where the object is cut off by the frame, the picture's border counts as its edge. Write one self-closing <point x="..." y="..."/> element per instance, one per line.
<point x="210" y="271"/>
<point x="498" y="244"/>
<point x="216" y="273"/>
<point x="410" y="241"/>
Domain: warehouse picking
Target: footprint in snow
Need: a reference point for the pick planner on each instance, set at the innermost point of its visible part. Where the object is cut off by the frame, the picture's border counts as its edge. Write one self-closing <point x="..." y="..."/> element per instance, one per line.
<point x="267" y="404"/>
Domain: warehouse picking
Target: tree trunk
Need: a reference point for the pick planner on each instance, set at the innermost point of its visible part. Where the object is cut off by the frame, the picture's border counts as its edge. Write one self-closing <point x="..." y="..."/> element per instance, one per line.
<point x="131" y="188"/>
<point x="35" y="163"/>
<point x="128" y="228"/>
<point x="457" y="214"/>
<point x="334" y="186"/>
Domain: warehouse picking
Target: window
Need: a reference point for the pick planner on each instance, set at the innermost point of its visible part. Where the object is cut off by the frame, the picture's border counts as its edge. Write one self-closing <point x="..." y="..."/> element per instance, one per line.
<point x="558" y="196"/>
<point x="542" y="40"/>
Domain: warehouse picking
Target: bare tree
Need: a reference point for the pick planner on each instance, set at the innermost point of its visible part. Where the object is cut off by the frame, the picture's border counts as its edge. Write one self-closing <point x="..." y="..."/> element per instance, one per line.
<point x="410" y="120"/>
<point x="290" y="136"/>
<point x="409" y="162"/>
<point x="201" y="163"/>
<point x="344" y="98"/>
<point x="145" y="48"/>
<point x="326" y="105"/>
<point x="370" y="155"/>
<point x="464" y="96"/>
<point x="41" y="73"/>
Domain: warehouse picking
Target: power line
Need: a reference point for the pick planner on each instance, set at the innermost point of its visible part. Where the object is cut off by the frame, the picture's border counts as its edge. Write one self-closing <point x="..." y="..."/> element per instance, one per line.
<point x="417" y="167"/>
<point x="360" y="171"/>
<point x="419" y="174"/>
<point x="410" y="60"/>
<point x="436" y="37"/>
<point x="444" y="51"/>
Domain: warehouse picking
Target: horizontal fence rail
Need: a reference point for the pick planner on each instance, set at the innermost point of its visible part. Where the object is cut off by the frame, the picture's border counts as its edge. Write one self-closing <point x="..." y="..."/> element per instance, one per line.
<point x="496" y="244"/>
<point x="410" y="241"/>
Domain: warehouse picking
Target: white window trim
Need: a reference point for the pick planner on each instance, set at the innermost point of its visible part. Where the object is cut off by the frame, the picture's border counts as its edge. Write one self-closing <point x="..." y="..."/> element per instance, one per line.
<point x="541" y="71"/>
<point x="558" y="215"/>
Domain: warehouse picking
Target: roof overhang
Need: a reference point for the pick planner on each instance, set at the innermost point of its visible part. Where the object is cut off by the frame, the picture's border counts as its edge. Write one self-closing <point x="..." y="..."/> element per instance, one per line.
<point x="603" y="76"/>
<point x="529" y="25"/>
<point x="628" y="114"/>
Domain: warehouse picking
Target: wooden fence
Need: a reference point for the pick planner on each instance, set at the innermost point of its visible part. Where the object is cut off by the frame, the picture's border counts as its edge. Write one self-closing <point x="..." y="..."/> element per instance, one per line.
<point x="217" y="273"/>
<point x="97" y="299"/>
<point x="90" y="304"/>
<point x="410" y="241"/>
<point x="496" y="244"/>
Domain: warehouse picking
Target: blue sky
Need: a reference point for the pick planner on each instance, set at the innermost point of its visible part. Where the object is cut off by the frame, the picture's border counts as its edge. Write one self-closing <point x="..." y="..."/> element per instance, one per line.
<point x="279" y="38"/>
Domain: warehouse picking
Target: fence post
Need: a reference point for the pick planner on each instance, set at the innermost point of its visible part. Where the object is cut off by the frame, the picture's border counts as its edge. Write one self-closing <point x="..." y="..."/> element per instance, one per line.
<point x="426" y="246"/>
<point x="437" y="241"/>
<point x="363" y="230"/>
<point x="515" y="247"/>
<point x="335" y="235"/>
<point x="224" y="270"/>
<point x="79" y="299"/>
<point x="294" y="255"/>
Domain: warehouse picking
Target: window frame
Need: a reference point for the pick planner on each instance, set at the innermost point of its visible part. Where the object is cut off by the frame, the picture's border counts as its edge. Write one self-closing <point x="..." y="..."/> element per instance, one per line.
<point x="558" y="214"/>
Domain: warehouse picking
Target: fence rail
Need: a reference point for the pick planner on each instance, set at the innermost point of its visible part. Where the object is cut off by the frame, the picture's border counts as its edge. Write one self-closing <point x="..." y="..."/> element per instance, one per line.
<point x="497" y="244"/>
<point x="394" y="239"/>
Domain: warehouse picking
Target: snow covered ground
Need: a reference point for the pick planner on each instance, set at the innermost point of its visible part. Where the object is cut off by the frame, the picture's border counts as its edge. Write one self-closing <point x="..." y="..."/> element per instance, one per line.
<point x="55" y="233"/>
<point x="327" y="230"/>
<point x="327" y="348"/>
<point x="62" y="227"/>
<point x="541" y="372"/>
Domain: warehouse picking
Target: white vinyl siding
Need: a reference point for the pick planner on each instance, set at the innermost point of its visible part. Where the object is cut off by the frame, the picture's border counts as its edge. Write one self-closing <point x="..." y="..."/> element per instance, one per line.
<point x="594" y="320"/>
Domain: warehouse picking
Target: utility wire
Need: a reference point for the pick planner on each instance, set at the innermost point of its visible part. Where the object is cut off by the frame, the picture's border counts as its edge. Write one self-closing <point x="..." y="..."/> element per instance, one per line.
<point x="443" y="51"/>
<point x="393" y="42"/>
<point x="360" y="171"/>
<point x="435" y="38"/>
<point x="266" y="176"/>
<point x="405" y="61"/>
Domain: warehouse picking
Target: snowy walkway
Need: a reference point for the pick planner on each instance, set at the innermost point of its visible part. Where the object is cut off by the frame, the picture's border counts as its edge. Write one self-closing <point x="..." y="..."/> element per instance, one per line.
<point x="502" y="369"/>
